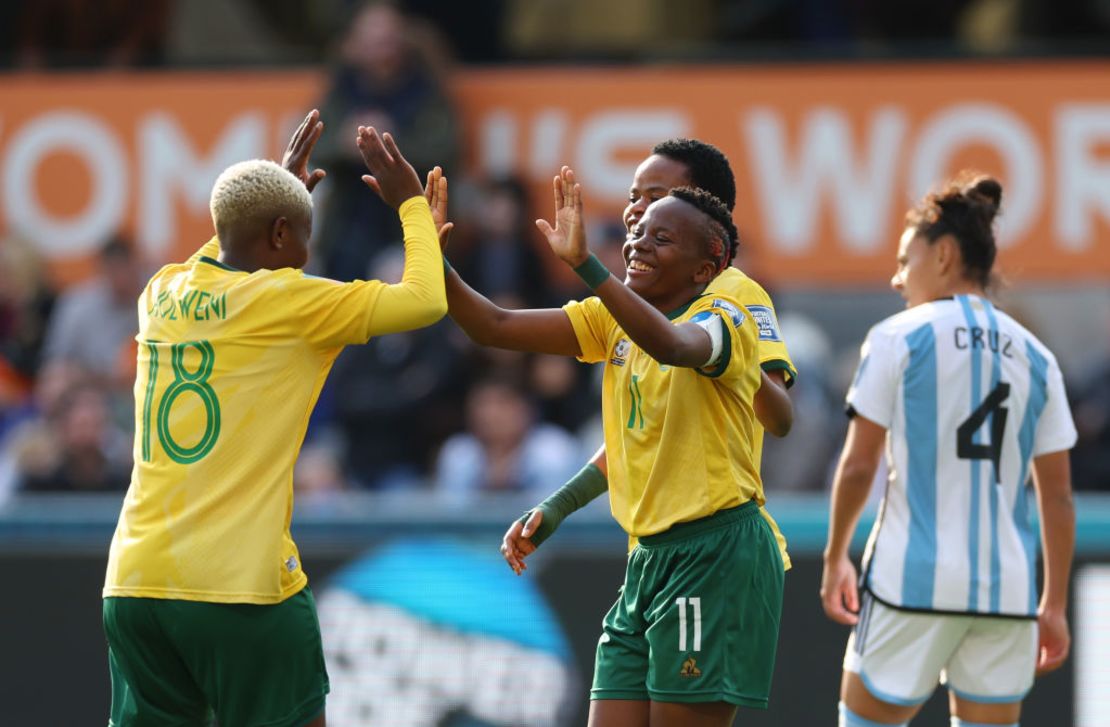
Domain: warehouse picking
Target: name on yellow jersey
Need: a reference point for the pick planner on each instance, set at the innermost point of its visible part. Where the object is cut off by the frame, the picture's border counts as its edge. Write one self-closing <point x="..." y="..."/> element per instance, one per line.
<point x="197" y="305"/>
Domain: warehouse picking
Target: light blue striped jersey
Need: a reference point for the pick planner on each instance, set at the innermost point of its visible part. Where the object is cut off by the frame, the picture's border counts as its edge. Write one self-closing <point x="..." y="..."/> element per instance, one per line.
<point x="969" y="397"/>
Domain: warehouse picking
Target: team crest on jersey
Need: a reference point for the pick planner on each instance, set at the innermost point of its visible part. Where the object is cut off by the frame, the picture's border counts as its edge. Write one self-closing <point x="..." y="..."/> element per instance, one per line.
<point x="764" y="317"/>
<point x="689" y="668"/>
<point x="620" y="352"/>
<point x="734" y="313"/>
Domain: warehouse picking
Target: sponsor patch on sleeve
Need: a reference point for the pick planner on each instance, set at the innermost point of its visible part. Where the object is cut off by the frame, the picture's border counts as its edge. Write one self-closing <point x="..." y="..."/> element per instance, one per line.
<point x="764" y="317"/>
<point x="734" y="313"/>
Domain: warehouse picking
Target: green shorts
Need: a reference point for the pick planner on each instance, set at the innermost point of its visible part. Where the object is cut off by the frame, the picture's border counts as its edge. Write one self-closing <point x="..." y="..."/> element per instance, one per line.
<point x="697" y="619"/>
<point x="177" y="663"/>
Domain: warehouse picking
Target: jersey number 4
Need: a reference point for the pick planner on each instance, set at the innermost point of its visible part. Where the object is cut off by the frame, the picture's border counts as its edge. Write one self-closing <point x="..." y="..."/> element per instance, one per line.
<point x="991" y="407"/>
<point x="184" y="381"/>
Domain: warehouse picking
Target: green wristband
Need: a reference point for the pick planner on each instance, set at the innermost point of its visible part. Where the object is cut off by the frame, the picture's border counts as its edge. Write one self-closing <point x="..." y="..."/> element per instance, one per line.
<point x="578" y="492"/>
<point x="593" y="272"/>
<point x="446" y="266"/>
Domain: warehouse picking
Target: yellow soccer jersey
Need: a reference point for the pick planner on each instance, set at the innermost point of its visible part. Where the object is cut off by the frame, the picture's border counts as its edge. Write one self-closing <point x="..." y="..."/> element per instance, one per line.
<point x="678" y="440"/>
<point x="230" y="365"/>
<point x="772" y="355"/>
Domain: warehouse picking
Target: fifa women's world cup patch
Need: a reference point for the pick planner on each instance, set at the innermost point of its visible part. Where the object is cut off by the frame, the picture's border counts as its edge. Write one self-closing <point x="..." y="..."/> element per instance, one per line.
<point x="620" y="352"/>
<point x="764" y="317"/>
<point x="734" y="313"/>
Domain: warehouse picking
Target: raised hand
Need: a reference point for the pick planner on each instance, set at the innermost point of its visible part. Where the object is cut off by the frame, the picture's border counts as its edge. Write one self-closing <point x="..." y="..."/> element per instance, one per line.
<point x="435" y="191"/>
<point x="516" y="545"/>
<point x="567" y="238"/>
<point x="295" y="159"/>
<point x="391" y="176"/>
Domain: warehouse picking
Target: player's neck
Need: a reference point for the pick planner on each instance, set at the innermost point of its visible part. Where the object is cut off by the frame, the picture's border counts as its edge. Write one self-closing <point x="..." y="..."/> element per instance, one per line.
<point x="239" y="261"/>
<point x="963" y="287"/>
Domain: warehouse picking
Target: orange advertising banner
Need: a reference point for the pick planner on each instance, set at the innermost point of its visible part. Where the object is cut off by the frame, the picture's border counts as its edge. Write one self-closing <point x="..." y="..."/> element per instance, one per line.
<point x="827" y="157"/>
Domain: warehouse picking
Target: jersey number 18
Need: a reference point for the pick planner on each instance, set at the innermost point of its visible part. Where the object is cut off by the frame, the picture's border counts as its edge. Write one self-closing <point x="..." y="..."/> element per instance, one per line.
<point x="184" y="381"/>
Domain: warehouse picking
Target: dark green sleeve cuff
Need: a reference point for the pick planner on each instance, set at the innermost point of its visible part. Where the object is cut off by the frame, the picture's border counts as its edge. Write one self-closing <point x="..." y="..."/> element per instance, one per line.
<point x="578" y="492"/>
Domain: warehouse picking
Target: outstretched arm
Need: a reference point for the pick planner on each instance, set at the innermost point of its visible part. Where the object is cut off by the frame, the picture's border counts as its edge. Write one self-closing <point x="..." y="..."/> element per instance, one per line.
<point x="418" y="300"/>
<point x="1052" y="479"/>
<point x="851" y="486"/>
<point x="685" y="344"/>
<point x="537" y="331"/>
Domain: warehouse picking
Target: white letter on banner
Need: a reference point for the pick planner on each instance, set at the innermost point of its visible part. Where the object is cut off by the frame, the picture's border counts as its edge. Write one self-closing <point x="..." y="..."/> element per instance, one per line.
<point x="996" y="127"/>
<point x="169" y="163"/>
<point x="603" y="134"/>
<point x="549" y="135"/>
<point x="497" y="148"/>
<point x="88" y="138"/>
<point x="790" y="192"/>
<point x="1082" y="185"/>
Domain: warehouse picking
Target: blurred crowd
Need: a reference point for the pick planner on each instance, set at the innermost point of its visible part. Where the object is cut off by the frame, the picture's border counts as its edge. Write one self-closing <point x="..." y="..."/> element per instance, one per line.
<point x="419" y="410"/>
<point x="127" y="33"/>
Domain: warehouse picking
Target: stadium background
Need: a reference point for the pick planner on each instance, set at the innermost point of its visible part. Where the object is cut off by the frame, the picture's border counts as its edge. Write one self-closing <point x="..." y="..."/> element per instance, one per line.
<point x="116" y="117"/>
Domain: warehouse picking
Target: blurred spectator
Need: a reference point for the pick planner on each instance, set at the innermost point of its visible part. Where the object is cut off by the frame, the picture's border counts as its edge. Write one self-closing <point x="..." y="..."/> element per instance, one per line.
<point x="94" y="324"/>
<point x="819" y="420"/>
<point x="58" y="33"/>
<point x="79" y="449"/>
<point x="384" y="82"/>
<point x="25" y="304"/>
<point x="1091" y="408"/>
<point x="504" y="450"/>
<point x="397" y="397"/>
<point x="496" y="249"/>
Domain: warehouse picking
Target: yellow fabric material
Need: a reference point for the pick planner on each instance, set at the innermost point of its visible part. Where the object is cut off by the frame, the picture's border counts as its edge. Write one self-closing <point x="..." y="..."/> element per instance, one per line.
<point x="678" y="441"/>
<point x="737" y="285"/>
<point x="230" y="365"/>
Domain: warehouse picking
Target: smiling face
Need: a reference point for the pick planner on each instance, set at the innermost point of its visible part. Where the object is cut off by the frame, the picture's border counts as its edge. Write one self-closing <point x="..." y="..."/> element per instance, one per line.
<point x="654" y="179"/>
<point x="665" y="255"/>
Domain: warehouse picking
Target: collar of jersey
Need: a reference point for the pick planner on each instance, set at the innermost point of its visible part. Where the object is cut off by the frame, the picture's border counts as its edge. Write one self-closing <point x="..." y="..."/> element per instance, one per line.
<point x="682" y="308"/>
<point x="217" y="263"/>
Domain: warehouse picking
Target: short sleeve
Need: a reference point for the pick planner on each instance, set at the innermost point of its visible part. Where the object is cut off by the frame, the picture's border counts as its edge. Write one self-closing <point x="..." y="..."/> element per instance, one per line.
<point x="873" y="390"/>
<point x="593" y="327"/>
<point x="772" y="348"/>
<point x="1056" y="428"/>
<point x="328" y="313"/>
<point x="739" y="344"/>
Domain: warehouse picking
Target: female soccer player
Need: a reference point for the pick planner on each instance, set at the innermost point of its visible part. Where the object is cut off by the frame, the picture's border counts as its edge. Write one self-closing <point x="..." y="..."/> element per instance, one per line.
<point x="676" y="163"/>
<point x="206" y="607"/>
<point x="967" y="404"/>
<point x="681" y="372"/>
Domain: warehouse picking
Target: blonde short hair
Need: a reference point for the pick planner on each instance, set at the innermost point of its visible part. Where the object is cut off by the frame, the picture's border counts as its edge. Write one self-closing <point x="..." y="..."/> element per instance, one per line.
<point x="257" y="190"/>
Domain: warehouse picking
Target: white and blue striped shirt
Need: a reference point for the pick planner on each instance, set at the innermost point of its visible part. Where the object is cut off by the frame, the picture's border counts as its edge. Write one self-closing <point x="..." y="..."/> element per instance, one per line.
<point x="969" y="397"/>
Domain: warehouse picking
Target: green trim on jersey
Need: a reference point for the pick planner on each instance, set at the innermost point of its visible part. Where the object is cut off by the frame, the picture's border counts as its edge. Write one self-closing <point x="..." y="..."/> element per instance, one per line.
<point x="217" y="263"/>
<point x="781" y="365"/>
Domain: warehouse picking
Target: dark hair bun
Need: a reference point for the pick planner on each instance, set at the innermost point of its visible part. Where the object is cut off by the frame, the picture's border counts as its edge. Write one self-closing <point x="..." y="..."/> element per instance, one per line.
<point x="987" y="187"/>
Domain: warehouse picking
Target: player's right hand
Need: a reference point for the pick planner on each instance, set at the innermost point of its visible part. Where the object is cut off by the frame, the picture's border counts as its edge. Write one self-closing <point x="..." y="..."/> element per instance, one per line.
<point x="567" y="238"/>
<point x="297" y="153"/>
<point x="391" y="176"/>
<point x="1054" y="640"/>
<point x="435" y="191"/>
<point x="839" y="595"/>
<point x="517" y="543"/>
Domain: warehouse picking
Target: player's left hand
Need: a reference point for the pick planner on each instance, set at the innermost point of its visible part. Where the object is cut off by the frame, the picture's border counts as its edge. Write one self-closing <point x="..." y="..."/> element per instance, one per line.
<point x="295" y="159"/>
<point x="567" y="238"/>
<point x="1054" y="640"/>
<point x="839" y="595"/>
<point x="435" y="191"/>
